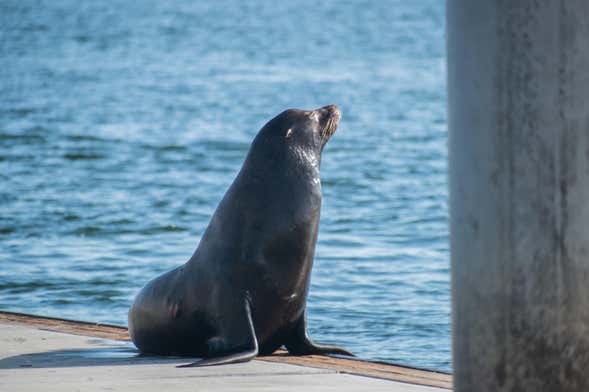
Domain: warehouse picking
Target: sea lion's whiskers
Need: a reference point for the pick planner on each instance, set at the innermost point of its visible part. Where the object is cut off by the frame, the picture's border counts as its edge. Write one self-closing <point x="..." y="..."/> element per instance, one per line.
<point x="328" y="130"/>
<point x="323" y="133"/>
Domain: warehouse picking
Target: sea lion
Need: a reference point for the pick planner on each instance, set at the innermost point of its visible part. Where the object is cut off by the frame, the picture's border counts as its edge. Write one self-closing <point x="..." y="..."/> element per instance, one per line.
<point x="244" y="290"/>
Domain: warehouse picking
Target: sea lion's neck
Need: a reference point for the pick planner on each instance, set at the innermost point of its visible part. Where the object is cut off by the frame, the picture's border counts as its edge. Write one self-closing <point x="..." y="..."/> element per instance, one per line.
<point x="276" y="202"/>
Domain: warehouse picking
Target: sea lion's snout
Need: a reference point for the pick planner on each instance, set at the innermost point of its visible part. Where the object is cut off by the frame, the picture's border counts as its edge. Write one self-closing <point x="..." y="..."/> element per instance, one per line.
<point x="329" y="117"/>
<point x="329" y="111"/>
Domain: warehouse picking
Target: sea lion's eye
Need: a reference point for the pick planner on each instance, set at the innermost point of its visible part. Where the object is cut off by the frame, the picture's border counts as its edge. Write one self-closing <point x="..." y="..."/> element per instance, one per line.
<point x="313" y="116"/>
<point x="288" y="132"/>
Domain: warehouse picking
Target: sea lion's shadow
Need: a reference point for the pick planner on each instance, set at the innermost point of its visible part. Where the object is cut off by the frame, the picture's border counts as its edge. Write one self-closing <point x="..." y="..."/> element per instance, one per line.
<point x="99" y="356"/>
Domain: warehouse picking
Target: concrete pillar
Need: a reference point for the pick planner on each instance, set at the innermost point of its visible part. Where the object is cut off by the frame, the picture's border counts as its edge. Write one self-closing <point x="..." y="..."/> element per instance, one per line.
<point x="518" y="96"/>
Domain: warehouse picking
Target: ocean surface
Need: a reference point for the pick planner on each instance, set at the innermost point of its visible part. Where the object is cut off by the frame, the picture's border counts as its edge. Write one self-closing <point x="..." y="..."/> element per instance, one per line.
<point x="123" y="123"/>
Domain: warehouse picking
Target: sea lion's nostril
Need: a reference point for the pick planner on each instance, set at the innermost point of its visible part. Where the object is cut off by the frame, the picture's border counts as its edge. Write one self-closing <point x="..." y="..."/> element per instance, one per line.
<point x="329" y="112"/>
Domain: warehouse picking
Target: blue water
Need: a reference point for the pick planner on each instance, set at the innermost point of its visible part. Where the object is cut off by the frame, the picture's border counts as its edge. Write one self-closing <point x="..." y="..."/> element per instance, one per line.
<point x="122" y="125"/>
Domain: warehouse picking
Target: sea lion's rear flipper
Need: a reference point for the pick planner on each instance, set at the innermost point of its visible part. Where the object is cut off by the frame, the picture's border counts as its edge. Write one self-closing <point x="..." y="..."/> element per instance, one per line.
<point x="299" y="342"/>
<point x="236" y="343"/>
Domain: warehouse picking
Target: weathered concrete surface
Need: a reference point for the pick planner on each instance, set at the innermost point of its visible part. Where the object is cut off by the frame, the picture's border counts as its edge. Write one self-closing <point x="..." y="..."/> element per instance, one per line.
<point x="383" y="371"/>
<point x="33" y="360"/>
<point x="518" y="97"/>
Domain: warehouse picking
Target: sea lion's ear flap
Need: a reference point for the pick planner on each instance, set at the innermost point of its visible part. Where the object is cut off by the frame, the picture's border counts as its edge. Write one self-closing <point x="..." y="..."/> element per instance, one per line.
<point x="289" y="133"/>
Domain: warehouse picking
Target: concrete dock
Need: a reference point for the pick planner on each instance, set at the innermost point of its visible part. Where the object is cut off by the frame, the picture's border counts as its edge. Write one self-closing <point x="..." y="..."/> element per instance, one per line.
<point x="46" y="354"/>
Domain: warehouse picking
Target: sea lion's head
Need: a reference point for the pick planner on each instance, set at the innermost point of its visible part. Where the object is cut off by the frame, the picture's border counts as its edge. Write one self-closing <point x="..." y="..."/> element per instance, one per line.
<point x="298" y="131"/>
<point x="311" y="128"/>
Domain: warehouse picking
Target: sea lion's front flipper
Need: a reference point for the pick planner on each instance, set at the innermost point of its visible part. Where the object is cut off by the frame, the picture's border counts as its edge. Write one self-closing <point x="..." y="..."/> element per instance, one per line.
<point x="299" y="343"/>
<point x="237" y="344"/>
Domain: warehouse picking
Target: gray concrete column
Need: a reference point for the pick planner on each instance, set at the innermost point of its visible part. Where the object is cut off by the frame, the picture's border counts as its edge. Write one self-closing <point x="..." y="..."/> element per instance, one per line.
<point x="518" y="97"/>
